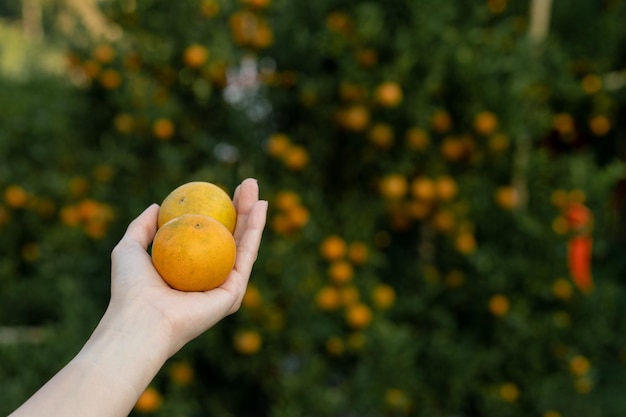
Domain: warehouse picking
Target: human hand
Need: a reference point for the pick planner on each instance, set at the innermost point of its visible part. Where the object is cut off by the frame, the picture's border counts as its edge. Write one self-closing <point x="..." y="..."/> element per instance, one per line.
<point x="146" y="321"/>
<point x="138" y="292"/>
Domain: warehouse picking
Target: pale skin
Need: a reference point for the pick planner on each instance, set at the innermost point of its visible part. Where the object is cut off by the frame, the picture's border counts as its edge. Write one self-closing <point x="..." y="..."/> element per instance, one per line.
<point x="146" y="321"/>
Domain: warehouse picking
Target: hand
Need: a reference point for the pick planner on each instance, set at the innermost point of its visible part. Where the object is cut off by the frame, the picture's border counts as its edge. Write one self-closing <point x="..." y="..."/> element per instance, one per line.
<point x="135" y="284"/>
<point x="146" y="321"/>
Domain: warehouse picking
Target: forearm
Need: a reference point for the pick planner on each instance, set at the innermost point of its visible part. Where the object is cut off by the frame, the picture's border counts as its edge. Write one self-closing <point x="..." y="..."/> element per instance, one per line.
<point x="106" y="377"/>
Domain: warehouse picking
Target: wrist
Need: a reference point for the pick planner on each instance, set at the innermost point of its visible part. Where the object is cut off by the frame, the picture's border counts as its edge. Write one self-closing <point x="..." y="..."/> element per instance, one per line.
<point x="127" y="346"/>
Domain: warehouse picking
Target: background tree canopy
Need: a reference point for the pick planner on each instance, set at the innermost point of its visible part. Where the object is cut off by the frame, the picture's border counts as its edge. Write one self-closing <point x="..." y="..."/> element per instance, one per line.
<point x="446" y="185"/>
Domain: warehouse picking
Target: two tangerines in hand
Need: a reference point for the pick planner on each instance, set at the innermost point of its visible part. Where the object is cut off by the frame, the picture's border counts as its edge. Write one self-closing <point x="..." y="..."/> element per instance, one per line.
<point x="194" y="248"/>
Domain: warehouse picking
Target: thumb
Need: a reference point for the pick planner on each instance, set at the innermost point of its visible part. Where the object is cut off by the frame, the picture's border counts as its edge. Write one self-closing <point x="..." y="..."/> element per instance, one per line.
<point x="143" y="228"/>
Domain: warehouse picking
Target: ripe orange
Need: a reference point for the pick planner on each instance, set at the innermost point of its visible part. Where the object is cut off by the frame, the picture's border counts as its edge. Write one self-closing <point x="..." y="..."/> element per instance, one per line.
<point x="198" y="197"/>
<point x="507" y="197"/>
<point x="358" y="253"/>
<point x="333" y="248"/>
<point x="193" y="252"/>
<point x="383" y="296"/>
<point x="358" y="316"/>
<point x="163" y="128"/>
<point x="15" y="196"/>
<point x="182" y="373"/>
<point x="247" y="342"/>
<point x="579" y="365"/>
<point x="509" y="392"/>
<point x="195" y="55"/>
<point x="104" y="53"/>
<point x="389" y="94"/>
<point x="485" y="122"/>
<point x="149" y="401"/>
<point x="417" y="139"/>
<point x="354" y="118"/>
<point x="394" y="186"/>
<point x="110" y="79"/>
<point x="499" y="305"/>
<point x="381" y="135"/>
<point x="328" y="298"/>
<point x="340" y="272"/>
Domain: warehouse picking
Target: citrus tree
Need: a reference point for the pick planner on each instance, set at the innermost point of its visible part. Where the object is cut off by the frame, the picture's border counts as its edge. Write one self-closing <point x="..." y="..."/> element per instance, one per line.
<point x="440" y="178"/>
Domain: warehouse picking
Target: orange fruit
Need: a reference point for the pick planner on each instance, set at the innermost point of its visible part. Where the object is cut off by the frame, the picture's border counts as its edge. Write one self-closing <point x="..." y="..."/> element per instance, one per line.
<point x="563" y="123"/>
<point x="354" y="118"/>
<point x="195" y="55"/>
<point x="453" y="149"/>
<point x="389" y="94"/>
<point x="509" y="392"/>
<point x="328" y="298"/>
<point x="340" y="272"/>
<point x="394" y="186"/>
<point x="417" y="139"/>
<point x="446" y="188"/>
<point x="247" y="342"/>
<point x="600" y="125"/>
<point x="198" y="197"/>
<point x="358" y="316"/>
<point x="499" y="305"/>
<point x="367" y="57"/>
<point x="181" y="373"/>
<point x="507" y="197"/>
<point x="423" y="188"/>
<point x="193" y="252"/>
<point x="103" y="53"/>
<point x="278" y="144"/>
<point x="150" y="400"/>
<point x="579" y="365"/>
<point x="591" y="83"/>
<point x="485" y="122"/>
<point x="381" y="135"/>
<point x="110" y="79"/>
<point x="15" y="196"/>
<point x="163" y="129"/>
<point x="358" y="253"/>
<point x="252" y="298"/>
<point x="383" y="296"/>
<point x="333" y="248"/>
<point x="296" y="157"/>
<point x="441" y="121"/>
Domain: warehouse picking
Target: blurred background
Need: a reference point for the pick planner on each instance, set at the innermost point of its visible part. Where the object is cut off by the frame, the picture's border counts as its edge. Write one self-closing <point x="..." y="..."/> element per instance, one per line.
<point x="446" y="182"/>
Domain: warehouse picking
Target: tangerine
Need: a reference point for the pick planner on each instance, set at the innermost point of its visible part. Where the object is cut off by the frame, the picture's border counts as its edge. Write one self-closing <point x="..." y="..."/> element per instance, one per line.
<point x="199" y="197"/>
<point x="150" y="400"/>
<point x="193" y="252"/>
<point x="195" y="56"/>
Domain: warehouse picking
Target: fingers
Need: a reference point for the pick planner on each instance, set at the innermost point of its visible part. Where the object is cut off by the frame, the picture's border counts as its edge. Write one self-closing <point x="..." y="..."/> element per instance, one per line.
<point x="248" y="246"/>
<point x="143" y="228"/>
<point x="246" y="195"/>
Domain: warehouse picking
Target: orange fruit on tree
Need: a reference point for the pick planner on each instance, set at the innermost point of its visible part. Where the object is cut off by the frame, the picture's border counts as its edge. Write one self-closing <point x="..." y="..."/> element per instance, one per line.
<point x="417" y="139"/>
<point x="333" y="247"/>
<point x="354" y="118"/>
<point x="381" y="135"/>
<point x="499" y="305"/>
<point x="163" y="128"/>
<point x="195" y="55"/>
<point x="394" y="186"/>
<point x="389" y="94"/>
<point x="358" y="252"/>
<point x="247" y="342"/>
<point x="359" y="316"/>
<point x="193" y="252"/>
<point x="485" y="122"/>
<point x="199" y="197"/>
<point x="150" y="400"/>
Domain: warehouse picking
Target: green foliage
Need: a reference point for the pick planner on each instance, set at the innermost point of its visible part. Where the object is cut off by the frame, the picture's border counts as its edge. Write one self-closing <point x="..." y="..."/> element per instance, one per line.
<point x="433" y="144"/>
